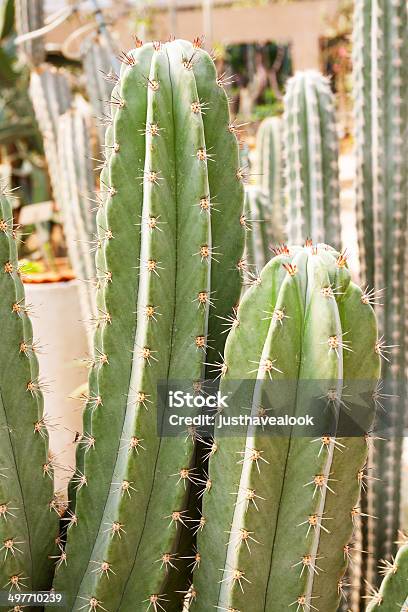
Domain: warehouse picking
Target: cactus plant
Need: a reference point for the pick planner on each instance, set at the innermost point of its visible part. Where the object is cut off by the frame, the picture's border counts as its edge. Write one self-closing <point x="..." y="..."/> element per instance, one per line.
<point x="29" y="16"/>
<point x="99" y="65"/>
<point x="268" y="171"/>
<point x="28" y="524"/>
<point x="381" y="113"/>
<point x="258" y="238"/>
<point x="76" y="177"/>
<point x="311" y="173"/>
<point x="279" y="514"/>
<point x="171" y="149"/>
<point x="51" y="97"/>
<point x="393" y="593"/>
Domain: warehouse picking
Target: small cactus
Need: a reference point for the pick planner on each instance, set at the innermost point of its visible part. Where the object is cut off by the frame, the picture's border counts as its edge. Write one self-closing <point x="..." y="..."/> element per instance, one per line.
<point x="281" y="511"/>
<point x="168" y="263"/>
<point x="311" y="172"/>
<point x="29" y="513"/>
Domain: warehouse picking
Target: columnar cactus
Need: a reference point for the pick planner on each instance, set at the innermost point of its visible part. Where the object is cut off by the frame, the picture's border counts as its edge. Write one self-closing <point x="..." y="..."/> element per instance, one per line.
<point x="268" y="171"/>
<point x="28" y="523"/>
<point x="29" y="16"/>
<point x="77" y="184"/>
<point x="99" y="61"/>
<point x="169" y="265"/>
<point x="279" y="513"/>
<point x="393" y="594"/>
<point x="381" y="118"/>
<point x="311" y="160"/>
<point x="257" y="222"/>
<point x="51" y="97"/>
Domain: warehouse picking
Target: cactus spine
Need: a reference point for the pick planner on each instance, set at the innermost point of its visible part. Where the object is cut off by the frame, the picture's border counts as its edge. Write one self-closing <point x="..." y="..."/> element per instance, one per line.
<point x="28" y="524"/>
<point x="311" y="160"/>
<point x="280" y="511"/>
<point x="381" y="118"/>
<point x="159" y="251"/>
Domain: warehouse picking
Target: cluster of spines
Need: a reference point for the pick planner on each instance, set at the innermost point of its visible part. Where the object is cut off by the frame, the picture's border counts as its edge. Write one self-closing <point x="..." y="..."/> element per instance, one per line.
<point x="28" y="526"/>
<point x="151" y="258"/>
<point x="310" y="149"/>
<point x="335" y="478"/>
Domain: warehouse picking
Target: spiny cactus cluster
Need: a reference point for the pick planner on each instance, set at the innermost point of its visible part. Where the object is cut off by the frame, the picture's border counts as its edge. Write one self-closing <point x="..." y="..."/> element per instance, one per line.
<point x="311" y="160"/>
<point x="280" y="512"/>
<point x="28" y="510"/>
<point x="169" y="266"/>
<point x="380" y="42"/>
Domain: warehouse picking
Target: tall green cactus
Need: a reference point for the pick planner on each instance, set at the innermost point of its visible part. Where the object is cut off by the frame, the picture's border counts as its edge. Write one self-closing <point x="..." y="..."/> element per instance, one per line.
<point x="28" y="523"/>
<point x="393" y="594"/>
<point x="77" y="184"/>
<point x="279" y="514"/>
<point x="268" y="171"/>
<point x="311" y="160"/>
<point x="165" y="257"/>
<point x="381" y="117"/>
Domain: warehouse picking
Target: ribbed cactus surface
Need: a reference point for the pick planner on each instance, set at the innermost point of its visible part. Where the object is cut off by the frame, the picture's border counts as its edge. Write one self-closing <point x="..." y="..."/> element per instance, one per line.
<point x="100" y="63"/>
<point x="279" y="515"/>
<point x="51" y="97"/>
<point x="29" y="16"/>
<point x="310" y="147"/>
<point x="269" y="179"/>
<point x="168" y="265"/>
<point x="380" y="41"/>
<point x="28" y="511"/>
<point x="77" y="185"/>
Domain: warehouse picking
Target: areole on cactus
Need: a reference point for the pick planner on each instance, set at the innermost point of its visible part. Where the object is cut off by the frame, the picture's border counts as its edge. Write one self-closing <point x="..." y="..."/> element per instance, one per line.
<point x="168" y="275"/>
